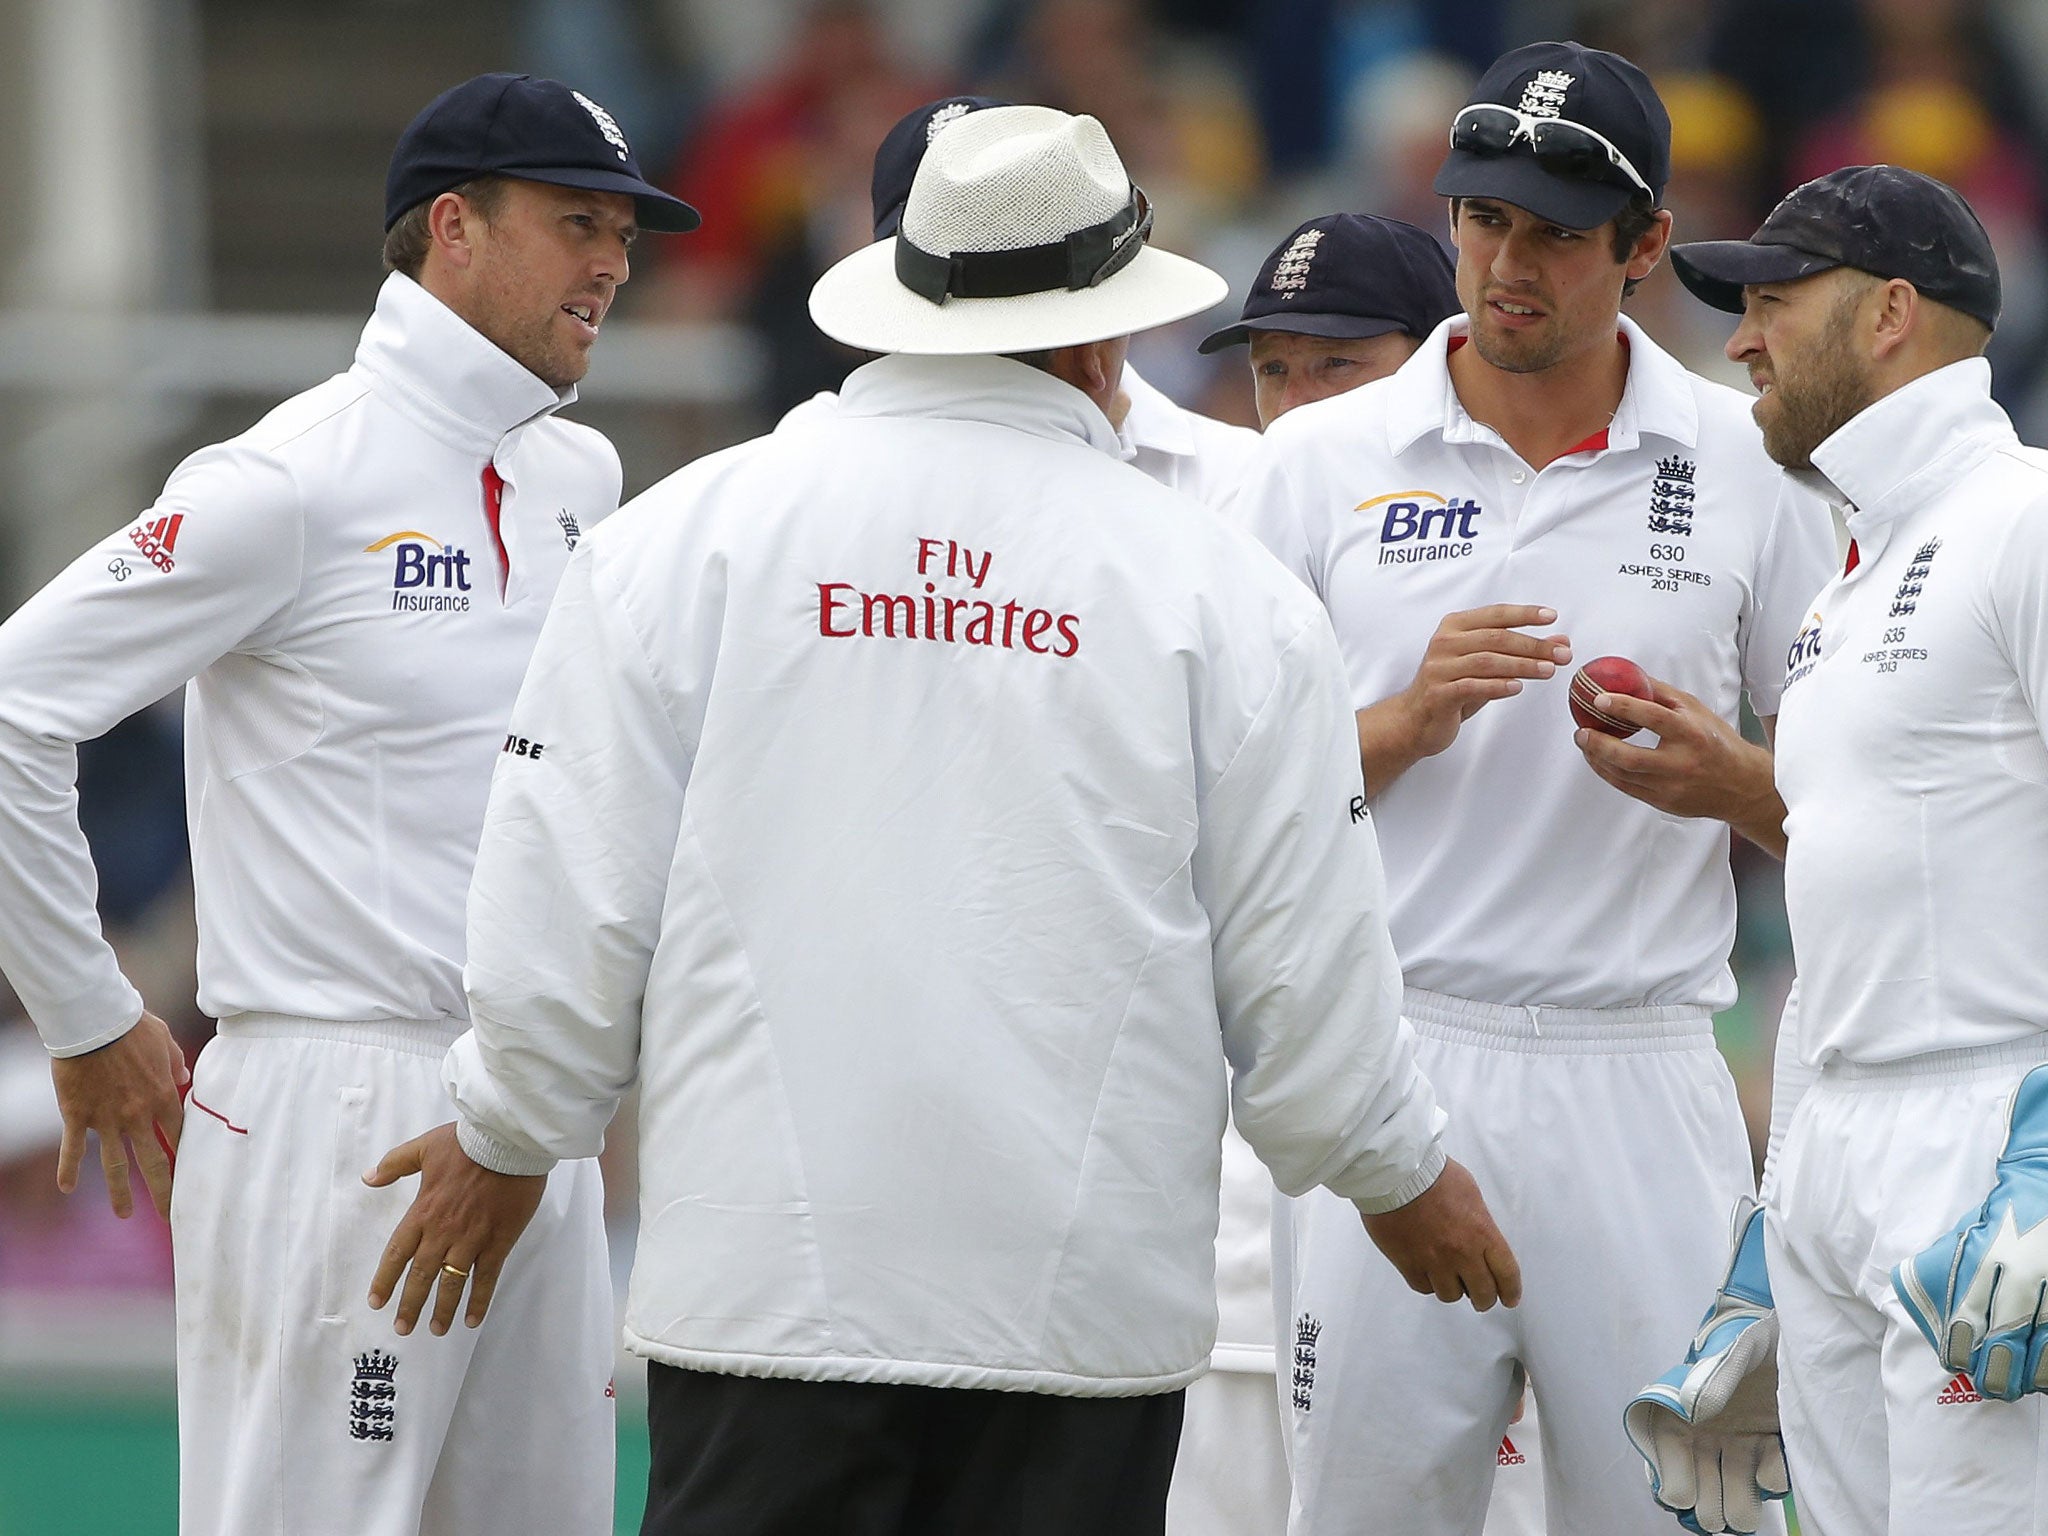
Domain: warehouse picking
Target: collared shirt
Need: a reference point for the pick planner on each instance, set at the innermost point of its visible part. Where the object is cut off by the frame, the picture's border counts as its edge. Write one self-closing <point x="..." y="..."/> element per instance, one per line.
<point x="923" y="805"/>
<point x="1184" y="449"/>
<point x="353" y="587"/>
<point x="1911" y="749"/>
<point x="1516" y="875"/>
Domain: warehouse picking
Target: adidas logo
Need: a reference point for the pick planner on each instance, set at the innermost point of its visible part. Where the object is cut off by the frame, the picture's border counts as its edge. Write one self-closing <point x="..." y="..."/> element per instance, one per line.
<point x="1959" y="1390"/>
<point x="1508" y="1456"/>
<point x="156" y="540"/>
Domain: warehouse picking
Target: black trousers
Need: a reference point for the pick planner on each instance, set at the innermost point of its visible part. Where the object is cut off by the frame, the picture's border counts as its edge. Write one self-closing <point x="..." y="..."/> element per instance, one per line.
<point x="755" y="1456"/>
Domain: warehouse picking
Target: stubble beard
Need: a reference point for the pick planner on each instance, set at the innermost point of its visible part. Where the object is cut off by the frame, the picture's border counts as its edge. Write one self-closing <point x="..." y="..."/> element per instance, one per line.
<point x="534" y="345"/>
<point x="1516" y="351"/>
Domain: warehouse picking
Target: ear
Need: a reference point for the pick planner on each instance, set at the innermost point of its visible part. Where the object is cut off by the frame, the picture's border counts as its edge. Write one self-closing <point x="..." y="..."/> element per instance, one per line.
<point x="451" y="224"/>
<point x="1102" y="362"/>
<point x="1650" y="247"/>
<point x="1894" y="315"/>
<point x="1451" y="207"/>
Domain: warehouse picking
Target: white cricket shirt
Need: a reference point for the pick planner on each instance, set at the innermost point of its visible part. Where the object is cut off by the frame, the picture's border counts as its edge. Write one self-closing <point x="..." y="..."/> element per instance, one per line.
<point x="1515" y="874"/>
<point x="329" y="581"/>
<point x="1192" y="453"/>
<point x="923" y="805"/>
<point x="1910" y="744"/>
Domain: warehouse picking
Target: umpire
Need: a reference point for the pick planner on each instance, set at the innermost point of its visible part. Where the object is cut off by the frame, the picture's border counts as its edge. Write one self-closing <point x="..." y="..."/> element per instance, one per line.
<point x="924" y="806"/>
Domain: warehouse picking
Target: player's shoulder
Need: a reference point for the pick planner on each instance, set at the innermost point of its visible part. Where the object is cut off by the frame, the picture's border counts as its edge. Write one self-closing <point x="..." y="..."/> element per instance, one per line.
<point x="302" y="424"/>
<point x="264" y="468"/>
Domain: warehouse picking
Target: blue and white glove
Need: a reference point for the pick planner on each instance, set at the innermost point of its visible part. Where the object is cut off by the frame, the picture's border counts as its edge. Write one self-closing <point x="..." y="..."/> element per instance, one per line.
<point x="1709" y="1428"/>
<point x="1979" y="1296"/>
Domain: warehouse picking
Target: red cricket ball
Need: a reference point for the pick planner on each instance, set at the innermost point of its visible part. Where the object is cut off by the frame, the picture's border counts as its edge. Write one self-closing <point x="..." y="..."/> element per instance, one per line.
<point x="1607" y="674"/>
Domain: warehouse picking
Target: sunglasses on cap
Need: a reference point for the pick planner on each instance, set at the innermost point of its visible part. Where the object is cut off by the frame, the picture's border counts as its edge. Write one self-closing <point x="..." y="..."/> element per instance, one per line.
<point x="1561" y="146"/>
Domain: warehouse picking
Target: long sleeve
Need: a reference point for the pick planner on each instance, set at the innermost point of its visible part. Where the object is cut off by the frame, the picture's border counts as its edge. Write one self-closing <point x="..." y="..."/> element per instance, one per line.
<point x="215" y="560"/>
<point x="1325" y="1082"/>
<point x="565" y="907"/>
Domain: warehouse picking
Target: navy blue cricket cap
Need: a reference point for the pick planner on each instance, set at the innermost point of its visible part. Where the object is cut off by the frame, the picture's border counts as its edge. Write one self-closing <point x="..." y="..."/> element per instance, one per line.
<point x="1567" y="178"/>
<point x="1879" y="219"/>
<point x="529" y="128"/>
<point x="902" y="152"/>
<point x="1347" y="275"/>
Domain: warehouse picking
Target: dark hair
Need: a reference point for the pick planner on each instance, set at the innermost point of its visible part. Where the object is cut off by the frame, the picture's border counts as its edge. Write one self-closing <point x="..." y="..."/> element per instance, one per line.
<point x="1637" y="216"/>
<point x="408" y="240"/>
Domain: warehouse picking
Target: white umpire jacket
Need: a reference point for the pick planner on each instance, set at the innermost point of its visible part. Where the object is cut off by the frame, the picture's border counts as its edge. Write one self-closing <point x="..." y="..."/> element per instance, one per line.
<point x="355" y="629"/>
<point x="923" y="805"/>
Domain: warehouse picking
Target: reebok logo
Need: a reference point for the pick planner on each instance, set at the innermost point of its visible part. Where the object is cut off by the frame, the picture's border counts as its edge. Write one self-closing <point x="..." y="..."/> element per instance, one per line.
<point x="1959" y="1390"/>
<point x="156" y="540"/>
<point x="1508" y="1456"/>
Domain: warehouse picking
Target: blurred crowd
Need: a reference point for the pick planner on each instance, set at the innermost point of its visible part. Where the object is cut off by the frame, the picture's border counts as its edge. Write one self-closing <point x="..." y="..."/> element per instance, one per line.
<point x="1240" y="118"/>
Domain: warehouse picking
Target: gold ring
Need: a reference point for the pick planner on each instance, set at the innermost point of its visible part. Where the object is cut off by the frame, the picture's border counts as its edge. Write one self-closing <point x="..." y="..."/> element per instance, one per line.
<point x="453" y="1273"/>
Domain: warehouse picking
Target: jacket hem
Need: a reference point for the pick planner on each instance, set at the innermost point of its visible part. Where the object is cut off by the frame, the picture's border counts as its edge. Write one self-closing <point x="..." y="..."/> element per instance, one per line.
<point x="909" y="1373"/>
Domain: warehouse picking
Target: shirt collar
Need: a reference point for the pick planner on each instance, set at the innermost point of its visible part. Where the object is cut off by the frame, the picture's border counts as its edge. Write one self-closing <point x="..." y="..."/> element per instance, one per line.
<point x="1154" y="421"/>
<point x="1656" y="398"/>
<point x="1893" y="455"/>
<point x="991" y="389"/>
<point x="461" y="386"/>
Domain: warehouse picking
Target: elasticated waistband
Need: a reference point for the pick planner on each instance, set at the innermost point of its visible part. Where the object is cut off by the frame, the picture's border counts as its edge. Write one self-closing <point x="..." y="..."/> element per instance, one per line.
<point x="1954" y="1066"/>
<point x="415" y="1037"/>
<point x="1536" y="1028"/>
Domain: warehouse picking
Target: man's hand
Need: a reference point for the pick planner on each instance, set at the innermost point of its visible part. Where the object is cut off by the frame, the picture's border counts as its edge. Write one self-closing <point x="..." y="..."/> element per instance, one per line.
<point x="1979" y="1294"/>
<point x="1701" y="765"/>
<point x="1444" y="1241"/>
<point x="459" y="1228"/>
<point x="130" y="1093"/>
<point x="1709" y="1426"/>
<point x="1473" y="658"/>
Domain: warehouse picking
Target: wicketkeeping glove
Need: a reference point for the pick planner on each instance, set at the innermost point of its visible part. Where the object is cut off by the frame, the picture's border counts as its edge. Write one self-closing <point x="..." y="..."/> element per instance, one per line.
<point x="1709" y="1428"/>
<point x="1980" y="1295"/>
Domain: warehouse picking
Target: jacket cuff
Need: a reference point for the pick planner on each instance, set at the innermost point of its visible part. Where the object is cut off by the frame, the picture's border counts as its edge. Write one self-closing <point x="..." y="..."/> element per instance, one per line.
<point x="1411" y="1187"/>
<point x="71" y="1035"/>
<point x="488" y="1151"/>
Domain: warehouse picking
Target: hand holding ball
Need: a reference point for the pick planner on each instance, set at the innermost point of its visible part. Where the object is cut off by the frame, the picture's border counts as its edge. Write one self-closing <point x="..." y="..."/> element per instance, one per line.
<point x="1607" y="674"/>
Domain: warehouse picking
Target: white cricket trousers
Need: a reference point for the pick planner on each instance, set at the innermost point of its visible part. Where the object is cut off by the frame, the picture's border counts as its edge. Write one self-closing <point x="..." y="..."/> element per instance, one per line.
<point x="1877" y="1163"/>
<point x="300" y="1411"/>
<point x="1611" y="1150"/>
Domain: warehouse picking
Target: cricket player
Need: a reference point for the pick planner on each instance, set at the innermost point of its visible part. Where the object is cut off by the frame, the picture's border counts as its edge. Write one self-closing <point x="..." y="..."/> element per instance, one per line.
<point x="1344" y="299"/>
<point x="352" y="588"/>
<point x="923" y="806"/>
<point x="1913" y="760"/>
<point x="1541" y="483"/>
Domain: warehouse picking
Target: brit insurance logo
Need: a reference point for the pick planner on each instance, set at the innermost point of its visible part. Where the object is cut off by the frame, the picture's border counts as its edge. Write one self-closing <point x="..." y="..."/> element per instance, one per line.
<point x="1422" y="525"/>
<point x="427" y="576"/>
<point x="1805" y="653"/>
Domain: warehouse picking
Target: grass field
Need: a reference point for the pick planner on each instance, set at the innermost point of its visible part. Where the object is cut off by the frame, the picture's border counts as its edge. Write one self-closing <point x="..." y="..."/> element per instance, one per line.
<point x="108" y="1466"/>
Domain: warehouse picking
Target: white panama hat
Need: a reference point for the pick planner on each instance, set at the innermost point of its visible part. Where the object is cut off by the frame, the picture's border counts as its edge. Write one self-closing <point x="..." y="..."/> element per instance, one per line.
<point x="1022" y="232"/>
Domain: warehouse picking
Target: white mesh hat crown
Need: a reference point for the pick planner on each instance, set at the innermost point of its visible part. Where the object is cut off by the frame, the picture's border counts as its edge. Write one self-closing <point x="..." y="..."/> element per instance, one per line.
<point x="1022" y="232"/>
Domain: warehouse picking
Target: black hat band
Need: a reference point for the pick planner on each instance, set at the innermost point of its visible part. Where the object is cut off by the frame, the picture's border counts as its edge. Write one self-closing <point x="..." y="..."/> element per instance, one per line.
<point x="1081" y="260"/>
